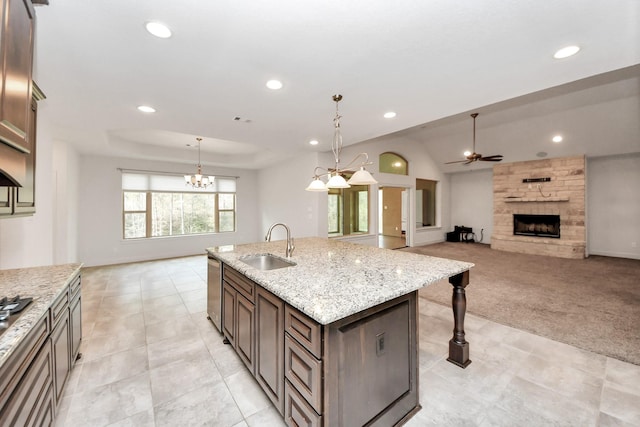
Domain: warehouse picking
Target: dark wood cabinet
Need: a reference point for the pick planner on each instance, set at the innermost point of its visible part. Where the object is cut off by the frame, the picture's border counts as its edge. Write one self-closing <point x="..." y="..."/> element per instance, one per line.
<point x="359" y="370"/>
<point x="25" y="196"/>
<point x="16" y="59"/>
<point x="229" y="297"/>
<point x="238" y="310"/>
<point x="297" y="411"/>
<point x="32" y="379"/>
<point x="6" y="200"/>
<point x="245" y="335"/>
<point x="270" y="346"/>
<point x="75" y="322"/>
<point x="22" y="200"/>
<point x="31" y="401"/>
<point x="61" y="354"/>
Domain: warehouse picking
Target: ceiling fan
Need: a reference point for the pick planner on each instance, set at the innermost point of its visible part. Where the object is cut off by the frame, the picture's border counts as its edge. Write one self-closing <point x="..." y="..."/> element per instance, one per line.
<point x="473" y="156"/>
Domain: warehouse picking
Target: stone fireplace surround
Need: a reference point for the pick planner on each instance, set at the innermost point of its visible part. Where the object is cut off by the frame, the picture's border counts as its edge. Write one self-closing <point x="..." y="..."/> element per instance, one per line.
<point x="563" y="195"/>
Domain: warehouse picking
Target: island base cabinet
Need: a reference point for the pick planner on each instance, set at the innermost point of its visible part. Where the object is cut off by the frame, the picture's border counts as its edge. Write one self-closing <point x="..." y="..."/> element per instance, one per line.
<point x="376" y="354"/>
<point x="238" y="314"/>
<point x="229" y="298"/>
<point x="359" y="370"/>
<point x="269" y="346"/>
<point x="245" y="331"/>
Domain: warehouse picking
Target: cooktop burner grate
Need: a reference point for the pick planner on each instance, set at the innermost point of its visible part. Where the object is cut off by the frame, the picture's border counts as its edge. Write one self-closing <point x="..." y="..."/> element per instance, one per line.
<point x="14" y="305"/>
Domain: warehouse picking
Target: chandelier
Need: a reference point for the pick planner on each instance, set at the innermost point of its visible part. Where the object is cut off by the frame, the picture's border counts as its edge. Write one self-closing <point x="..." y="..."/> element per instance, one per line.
<point x="197" y="180"/>
<point x="334" y="175"/>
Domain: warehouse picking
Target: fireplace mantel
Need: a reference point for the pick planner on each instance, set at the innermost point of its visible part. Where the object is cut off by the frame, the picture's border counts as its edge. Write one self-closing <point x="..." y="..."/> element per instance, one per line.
<point x="534" y="199"/>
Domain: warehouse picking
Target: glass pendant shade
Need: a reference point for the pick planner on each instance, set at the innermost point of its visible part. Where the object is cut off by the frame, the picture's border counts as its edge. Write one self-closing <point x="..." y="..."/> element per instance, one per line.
<point x="337" y="181"/>
<point x="362" y="177"/>
<point x="317" y="185"/>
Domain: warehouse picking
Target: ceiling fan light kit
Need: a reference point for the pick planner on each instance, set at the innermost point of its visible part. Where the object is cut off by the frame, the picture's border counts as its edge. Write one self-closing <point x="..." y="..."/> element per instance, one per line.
<point x="473" y="156"/>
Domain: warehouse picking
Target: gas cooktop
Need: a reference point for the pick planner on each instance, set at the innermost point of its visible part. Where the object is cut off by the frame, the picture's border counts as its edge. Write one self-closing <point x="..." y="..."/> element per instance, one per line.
<point x="14" y="305"/>
<point x="10" y="310"/>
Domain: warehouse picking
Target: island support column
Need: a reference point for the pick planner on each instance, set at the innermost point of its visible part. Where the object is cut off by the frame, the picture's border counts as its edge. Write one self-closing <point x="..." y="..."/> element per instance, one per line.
<point x="458" y="346"/>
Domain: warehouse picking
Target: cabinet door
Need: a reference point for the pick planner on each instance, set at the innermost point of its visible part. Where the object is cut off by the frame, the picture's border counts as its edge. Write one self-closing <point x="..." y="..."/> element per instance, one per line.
<point x="29" y="399"/>
<point x="61" y="355"/>
<point x="16" y="56"/>
<point x="25" y="196"/>
<point x="245" y="331"/>
<point x="229" y="296"/>
<point x="270" y="346"/>
<point x="6" y="200"/>
<point x="76" y="327"/>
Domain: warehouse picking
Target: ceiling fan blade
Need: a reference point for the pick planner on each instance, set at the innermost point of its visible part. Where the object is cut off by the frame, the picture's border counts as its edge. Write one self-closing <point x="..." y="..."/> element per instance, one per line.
<point x="458" y="161"/>
<point x="496" y="158"/>
<point x="469" y="161"/>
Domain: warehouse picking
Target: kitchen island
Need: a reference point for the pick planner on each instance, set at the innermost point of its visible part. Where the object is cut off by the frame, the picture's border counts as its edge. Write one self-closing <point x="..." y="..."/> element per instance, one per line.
<point x="333" y="339"/>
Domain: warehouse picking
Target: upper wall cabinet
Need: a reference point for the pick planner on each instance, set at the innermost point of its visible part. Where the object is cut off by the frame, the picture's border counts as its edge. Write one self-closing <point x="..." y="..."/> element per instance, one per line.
<point x="16" y="56"/>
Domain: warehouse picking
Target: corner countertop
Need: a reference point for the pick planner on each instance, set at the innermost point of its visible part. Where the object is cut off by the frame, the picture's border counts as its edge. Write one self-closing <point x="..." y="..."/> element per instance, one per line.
<point x="333" y="279"/>
<point x="44" y="285"/>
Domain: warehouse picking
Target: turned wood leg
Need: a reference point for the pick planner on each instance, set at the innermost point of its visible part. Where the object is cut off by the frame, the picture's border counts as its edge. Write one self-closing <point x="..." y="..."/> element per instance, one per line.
<point x="458" y="347"/>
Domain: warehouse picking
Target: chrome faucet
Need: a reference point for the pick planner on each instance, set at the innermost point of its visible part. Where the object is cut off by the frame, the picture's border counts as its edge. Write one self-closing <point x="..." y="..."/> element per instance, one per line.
<point x="290" y="246"/>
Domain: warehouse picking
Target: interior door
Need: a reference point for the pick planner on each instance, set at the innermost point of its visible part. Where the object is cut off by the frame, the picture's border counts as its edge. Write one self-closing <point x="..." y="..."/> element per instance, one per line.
<point x="392" y="211"/>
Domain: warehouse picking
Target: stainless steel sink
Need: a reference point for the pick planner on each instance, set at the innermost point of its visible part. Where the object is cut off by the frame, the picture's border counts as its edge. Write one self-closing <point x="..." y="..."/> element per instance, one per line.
<point x="266" y="262"/>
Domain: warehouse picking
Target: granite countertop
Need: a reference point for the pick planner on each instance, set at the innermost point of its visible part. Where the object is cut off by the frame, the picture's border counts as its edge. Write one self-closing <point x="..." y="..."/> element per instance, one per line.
<point x="44" y="285"/>
<point x="332" y="279"/>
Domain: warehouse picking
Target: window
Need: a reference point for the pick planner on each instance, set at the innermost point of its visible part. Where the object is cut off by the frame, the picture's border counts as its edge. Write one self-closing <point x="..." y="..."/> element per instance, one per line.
<point x="161" y="205"/>
<point x="393" y="163"/>
<point x="425" y="202"/>
<point x="348" y="210"/>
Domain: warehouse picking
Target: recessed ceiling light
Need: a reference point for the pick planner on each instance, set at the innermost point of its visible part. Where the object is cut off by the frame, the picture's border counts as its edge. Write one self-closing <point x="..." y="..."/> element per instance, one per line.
<point x="158" y="29"/>
<point x="274" y="84"/>
<point x="557" y="139"/>
<point x="467" y="153"/>
<point x="389" y="115"/>
<point x="541" y="154"/>
<point x="146" y="109"/>
<point x="566" y="52"/>
<point x="314" y="142"/>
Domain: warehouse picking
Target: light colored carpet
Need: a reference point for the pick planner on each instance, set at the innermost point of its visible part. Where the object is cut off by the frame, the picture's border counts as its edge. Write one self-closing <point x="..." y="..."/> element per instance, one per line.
<point x="593" y="304"/>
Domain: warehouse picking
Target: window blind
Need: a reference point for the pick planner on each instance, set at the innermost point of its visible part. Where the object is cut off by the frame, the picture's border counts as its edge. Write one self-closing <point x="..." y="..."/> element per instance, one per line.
<point x="173" y="183"/>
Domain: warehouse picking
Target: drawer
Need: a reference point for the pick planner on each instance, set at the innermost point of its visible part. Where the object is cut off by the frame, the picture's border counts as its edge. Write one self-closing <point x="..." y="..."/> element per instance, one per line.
<point x="15" y="366"/>
<point x="304" y="372"/>
<point x="305" y="330"/>
<point x="243" y="285"/>
<point x="59" y="307"/>
<point x="297" y="411"/>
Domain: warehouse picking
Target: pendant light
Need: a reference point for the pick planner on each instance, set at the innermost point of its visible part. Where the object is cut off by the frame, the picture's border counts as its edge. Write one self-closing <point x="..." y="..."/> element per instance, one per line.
<point x="335" y="178"/>
<point x="198" y="180"/>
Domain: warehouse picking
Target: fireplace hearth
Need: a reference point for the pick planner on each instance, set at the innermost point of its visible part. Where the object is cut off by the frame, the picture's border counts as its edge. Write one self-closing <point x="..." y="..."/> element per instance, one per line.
<point x="536" y="225"/>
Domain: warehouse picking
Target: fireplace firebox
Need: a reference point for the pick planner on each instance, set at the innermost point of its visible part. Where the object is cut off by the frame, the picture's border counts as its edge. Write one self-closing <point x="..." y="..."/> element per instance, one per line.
<point x="536" y="225"/>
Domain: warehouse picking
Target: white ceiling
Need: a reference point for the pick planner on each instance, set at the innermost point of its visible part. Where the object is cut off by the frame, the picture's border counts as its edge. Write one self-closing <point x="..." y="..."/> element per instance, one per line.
<point x="432" y="62"/>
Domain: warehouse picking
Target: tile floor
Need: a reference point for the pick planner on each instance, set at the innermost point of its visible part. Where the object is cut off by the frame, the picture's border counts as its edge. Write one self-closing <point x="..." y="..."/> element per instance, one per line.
<point x="151" y="358"/>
